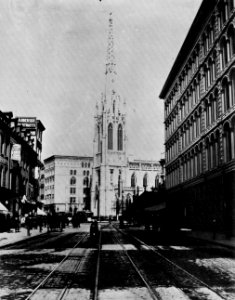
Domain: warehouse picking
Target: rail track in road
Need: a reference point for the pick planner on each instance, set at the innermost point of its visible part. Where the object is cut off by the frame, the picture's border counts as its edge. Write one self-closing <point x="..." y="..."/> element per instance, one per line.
<point x="58" y="283"/>
<point x="118" y="275"/>
<point x="188" y="285"/>
<point x="118" y="265"/>
<point x="149" y="288"/>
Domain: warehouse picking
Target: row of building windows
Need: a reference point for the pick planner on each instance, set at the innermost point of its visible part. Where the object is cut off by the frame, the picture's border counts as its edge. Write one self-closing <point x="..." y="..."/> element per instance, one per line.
<point x="192" y="97"/>
<point x="49" y="170"/>
<point x="73" y="172"/>
<point x="85" y="181"/>
<point x="50" y="187"/>
<point x="202" y="97"/>
<point x="194" y="126"/>
<point x="208" y="72"/>
<point x="145" y="180"/>
<point x="86" y="165"/>
<point x="85" y="172"/>
<point x="191" y="163"/>
<point x="50" y="179"/>
<point x="49" y="196"/>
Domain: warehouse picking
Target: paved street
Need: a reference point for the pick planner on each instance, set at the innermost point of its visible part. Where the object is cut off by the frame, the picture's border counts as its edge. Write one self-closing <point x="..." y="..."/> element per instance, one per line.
<point x="130" y="263"/>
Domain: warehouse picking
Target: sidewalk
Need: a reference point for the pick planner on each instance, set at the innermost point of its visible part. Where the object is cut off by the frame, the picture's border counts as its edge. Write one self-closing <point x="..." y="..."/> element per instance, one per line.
<point x="220" y="239"/>
<point x="7" y="238"/>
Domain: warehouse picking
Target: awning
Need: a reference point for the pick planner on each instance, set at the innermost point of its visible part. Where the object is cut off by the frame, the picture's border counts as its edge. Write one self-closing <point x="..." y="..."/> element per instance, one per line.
<point x="3" y="208"/>
<point x="157" y="207"/>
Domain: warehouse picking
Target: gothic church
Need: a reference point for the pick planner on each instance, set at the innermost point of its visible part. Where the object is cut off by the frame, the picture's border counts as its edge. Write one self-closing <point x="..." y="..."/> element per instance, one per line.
<point x="115" y="177"/>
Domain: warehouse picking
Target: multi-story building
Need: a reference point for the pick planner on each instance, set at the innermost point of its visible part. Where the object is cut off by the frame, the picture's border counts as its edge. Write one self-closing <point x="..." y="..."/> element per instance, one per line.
<point x="33" y="127"/>
<point x="18" y="162"/>
<point x="116" y="178"/>
<point x="199" y="100"/>
<point x="67" y="182"/>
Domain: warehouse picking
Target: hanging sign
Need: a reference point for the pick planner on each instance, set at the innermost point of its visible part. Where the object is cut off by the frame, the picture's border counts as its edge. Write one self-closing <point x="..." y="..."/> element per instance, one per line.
<point x="16" y="152"/>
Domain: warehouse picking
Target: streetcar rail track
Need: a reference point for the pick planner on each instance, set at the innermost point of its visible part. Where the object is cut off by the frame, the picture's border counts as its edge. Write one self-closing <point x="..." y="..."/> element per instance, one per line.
<point x="150" y="289"/>
<point x="63" y="292"/>
<point x="94" y="296"/>
<point x="156" y="251"/>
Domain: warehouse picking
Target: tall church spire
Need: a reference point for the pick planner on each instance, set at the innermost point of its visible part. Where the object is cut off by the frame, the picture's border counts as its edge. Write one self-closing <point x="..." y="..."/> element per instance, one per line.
<point x="110" y="59"/>
<point x="110" y="138"/>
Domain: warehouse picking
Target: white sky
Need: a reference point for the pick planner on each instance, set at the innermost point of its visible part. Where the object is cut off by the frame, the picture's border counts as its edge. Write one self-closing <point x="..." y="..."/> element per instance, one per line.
<point x="52" y="63"/>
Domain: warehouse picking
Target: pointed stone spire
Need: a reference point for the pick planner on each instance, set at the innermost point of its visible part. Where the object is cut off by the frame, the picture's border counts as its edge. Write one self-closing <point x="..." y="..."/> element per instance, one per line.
<point x="110" y="59"/>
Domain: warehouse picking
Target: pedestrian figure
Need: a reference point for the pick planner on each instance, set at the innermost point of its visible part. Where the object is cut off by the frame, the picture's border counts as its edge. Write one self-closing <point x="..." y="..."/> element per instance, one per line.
<point x="17" y="222"/>
<point x="78" y="220"/>
<point x="28" y="224"/>
<point x="40" y="223"/>
<point x="94" y="230"/>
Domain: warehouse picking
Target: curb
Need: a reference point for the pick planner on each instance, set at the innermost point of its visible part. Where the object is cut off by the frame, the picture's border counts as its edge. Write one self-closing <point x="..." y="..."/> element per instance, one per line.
<point x="10" y="244"/>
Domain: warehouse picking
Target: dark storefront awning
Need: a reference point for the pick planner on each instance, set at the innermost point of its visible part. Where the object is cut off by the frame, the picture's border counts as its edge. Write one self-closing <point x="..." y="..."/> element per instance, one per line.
<point x="157" y="207"/>
<point x="3" y="209"/>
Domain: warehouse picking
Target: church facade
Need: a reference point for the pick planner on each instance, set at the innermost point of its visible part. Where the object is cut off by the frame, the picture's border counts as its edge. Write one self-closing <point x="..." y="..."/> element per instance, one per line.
<point x="116" y="177"/>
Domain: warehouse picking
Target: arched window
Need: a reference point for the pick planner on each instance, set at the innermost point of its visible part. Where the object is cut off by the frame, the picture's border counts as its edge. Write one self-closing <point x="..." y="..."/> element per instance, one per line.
<point x="157" y="181"/>
<point x="231" y="37"/>
<point x="133" y="180"/>
<point x="225" y="94"/>
<point x="120" y="138"/>
<point x="216" y="97"/>
<point x="110" y="137"/>
<point x="227" y="143"/>
<point x="72" y="180"/>
<point x="204" y="43"/>
<point x="232" y="79"/>
<point x="223" y="53"/>
<point x="145" y="180"/>
<point x="222" y="6"/>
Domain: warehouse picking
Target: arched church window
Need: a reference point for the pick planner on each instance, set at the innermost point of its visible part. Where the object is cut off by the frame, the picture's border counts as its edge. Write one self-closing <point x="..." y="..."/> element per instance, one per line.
<point x="120" y="138"/>
<point x="156" y="181"/>
<point x="133" y="180"/>
<point x="72" y="180"/>
<point x="110" y="136"/>
<point x="145" y="180"/>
